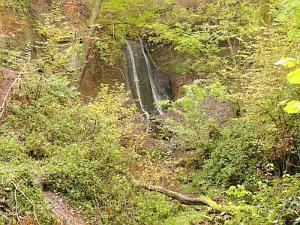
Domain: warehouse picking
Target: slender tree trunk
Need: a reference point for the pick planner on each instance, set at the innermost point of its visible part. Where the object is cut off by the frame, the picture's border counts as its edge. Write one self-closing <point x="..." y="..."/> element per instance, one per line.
<point x="88" y="43"/>
<point x="265" y="14"/>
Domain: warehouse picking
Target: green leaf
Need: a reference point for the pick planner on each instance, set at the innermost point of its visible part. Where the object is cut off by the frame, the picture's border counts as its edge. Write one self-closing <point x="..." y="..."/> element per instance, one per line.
<point x="292" y="107"/>
<point x="294" y="76"/>
<point x="287" y="62"/>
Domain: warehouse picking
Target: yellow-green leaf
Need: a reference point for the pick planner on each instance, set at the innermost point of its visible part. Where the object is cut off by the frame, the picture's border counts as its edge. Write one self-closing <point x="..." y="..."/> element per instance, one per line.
<point x="292" y="107"/>
<point x="294" y="76"/>
<point x="286" y="62"/>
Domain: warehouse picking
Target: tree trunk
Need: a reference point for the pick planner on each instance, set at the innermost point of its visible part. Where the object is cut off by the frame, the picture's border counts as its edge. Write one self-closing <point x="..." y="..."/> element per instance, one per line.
<point x="88" y="43"/>
<point x="265" y="14"/>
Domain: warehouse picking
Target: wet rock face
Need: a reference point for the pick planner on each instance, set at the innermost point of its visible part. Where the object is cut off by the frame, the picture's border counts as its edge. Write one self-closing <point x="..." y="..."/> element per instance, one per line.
<point x="147" y="83"/>
<point x="98" y="73"/>
<point x="163" y="84"/>
<point x="170" y="70"/>
<point x="178" y="81"/>
<point x="138" y="76"/>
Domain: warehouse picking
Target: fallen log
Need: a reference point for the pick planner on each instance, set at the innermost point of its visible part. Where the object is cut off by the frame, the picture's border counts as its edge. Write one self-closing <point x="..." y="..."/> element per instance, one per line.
<point x="183" y="199"/>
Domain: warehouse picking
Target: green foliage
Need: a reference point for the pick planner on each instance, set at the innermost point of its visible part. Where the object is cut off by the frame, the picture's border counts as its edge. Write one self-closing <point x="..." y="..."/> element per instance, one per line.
<point x="201" y="35"/>
<point x="294" y="76"/>
<point x="194" y="128"/>
<point x="18" y="188"/>
<point x="12" y="58"/>
<point x="10" y="150"/>
<point x="287" y="62"/>
<point x="80" y="148"/>
<point x="238" y="192"/>
<point x="21" y="6"/>
<point x="154" y="208"/>
<point x="292" y="107"/>
<point x="233" y="159"/>
<point x="240" y="152"/>
<point x="181" y="35"/>
<point x="103" y="49"/>
<point x="274" y="203"/>
<point x="186" y="217"/>
<point x="61" y="50"/>
<point x="289" y="14"/>
<point x="126" y="18"/>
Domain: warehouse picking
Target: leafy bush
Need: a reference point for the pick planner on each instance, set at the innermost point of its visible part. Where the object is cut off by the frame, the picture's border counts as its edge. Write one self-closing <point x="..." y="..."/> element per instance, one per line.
<point x="191" y="122"/>
<point x="20" y="6"/>
<point x="234" y="158"/>
<point x="276" y="203"/>
<point x="21" y="198"/>
<point x="10" y="149"/>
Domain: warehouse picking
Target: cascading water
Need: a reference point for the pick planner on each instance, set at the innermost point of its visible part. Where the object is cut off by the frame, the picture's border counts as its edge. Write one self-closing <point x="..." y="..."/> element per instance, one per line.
<point x="147" y="84"/>
<point x="150" y="74"/>
<point x="136" y="78"/>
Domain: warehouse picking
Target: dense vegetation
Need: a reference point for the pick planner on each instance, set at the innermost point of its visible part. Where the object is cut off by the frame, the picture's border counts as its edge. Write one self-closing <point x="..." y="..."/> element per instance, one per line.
<point x="236" y="56"/>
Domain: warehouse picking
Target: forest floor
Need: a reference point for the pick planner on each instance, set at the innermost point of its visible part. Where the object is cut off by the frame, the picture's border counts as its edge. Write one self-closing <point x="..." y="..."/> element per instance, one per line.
<point x="64" y="213"/>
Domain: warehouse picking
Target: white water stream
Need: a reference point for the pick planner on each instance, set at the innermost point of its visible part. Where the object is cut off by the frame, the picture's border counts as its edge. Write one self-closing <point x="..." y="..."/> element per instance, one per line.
<point x="136" y="79"/>
<point x="150" y="74"/>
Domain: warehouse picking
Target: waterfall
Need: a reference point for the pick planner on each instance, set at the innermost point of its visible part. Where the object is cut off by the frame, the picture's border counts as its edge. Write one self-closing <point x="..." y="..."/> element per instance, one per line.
<point x="136" y="79"/>
<point x="150" y="74"/>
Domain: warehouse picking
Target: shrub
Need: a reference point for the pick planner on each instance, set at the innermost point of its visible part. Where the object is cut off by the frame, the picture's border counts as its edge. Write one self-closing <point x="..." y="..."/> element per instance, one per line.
<point x="21" y="197"/>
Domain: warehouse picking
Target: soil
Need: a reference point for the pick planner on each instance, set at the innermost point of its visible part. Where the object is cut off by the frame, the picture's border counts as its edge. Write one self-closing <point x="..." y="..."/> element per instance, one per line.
<point x="7" y="77"/>
<point x="64" y="213"/>
<point x="61" y="209"/>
